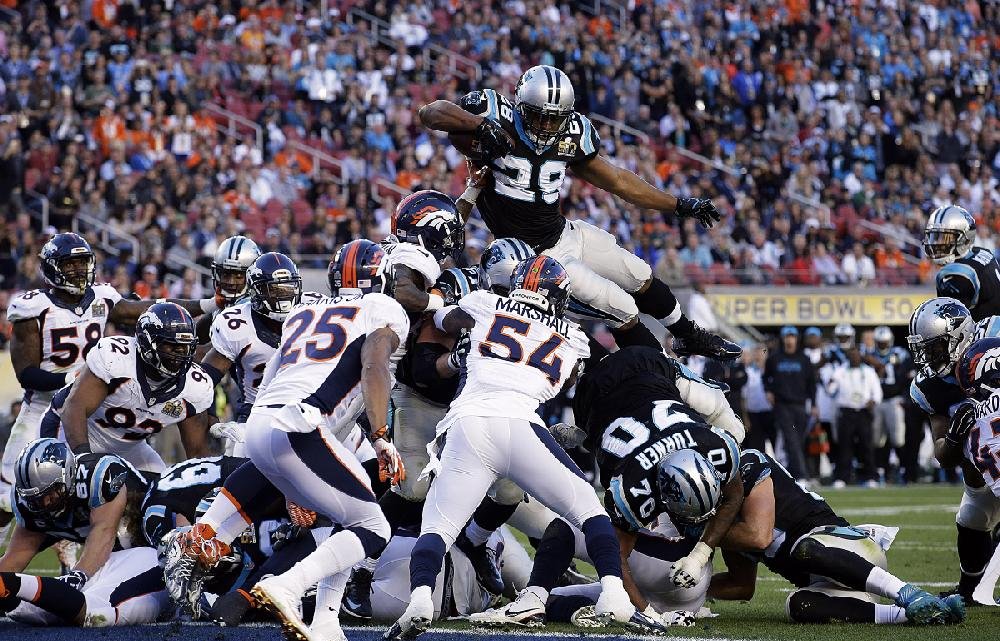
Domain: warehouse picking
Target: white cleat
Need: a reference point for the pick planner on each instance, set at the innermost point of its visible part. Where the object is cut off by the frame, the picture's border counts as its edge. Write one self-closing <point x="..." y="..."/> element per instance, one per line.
<point x="614" y="601"/>
<point x="327" y="628"/>
<point x="285" y="606"/>
<point x="416" y="619"/>
<point x="527" y="610"/>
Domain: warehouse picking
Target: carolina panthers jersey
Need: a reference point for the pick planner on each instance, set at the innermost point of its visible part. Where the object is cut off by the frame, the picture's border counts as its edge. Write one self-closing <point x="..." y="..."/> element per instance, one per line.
<point x="897" y="367"/>
<point x="133" y="410"/>
<point x="180" y="489"/>
<point x="67" y="333"/>
<point x="797" y="511"/>
<point x="100" y="478"/>
<point x="522" y="197"/>
<point x="940" y="394"/>
<point x="973" y="279"/>
<point x="246" y="339"/>
<point x="519" y="358"/>
<point x="431" y="388"/>
<point x="318" y="361"/>
<point x="631" y="449"/>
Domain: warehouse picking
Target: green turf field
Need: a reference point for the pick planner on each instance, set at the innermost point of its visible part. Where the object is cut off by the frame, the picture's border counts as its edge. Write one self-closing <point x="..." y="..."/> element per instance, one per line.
<point x="924" y="553"/>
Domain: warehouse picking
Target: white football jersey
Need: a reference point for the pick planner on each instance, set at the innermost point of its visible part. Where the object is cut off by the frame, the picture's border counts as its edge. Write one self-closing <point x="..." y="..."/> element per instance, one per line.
<point x="131" y="411"/>
<point x="520" y="358"/>
<point x="318" y="362"/>
<point x="241" y="336"/>
<point x="413" y="256"/>
<point x="982" y="446"/>
<point x="67" y="334"/>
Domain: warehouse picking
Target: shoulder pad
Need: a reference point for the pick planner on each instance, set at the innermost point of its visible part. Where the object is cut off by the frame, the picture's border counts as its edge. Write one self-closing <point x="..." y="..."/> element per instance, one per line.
<point x="416" y="258"/>
<point x="198" y="389"/>
<point x="112" y="357"/>
<point x="232" y="328"/>
<point x="27" y="305"/>
<point x="107" y="479"/>
<point x="918" y="396"/>
<point x="104" y="290"/>
<point x="618" y="508"/>
<point x="590" y="140"/>
<point x="754" y="468"/>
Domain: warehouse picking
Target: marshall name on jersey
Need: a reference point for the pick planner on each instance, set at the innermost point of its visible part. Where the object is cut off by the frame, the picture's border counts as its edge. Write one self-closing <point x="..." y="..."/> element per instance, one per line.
<point x="520" y="357"/>
<point x="133" y="410"/>
<point x="67" y="333"/>
<point x="631" y="449"/>
<point x="318" y="362"/>
<point x="100" y="478"/>
<point x="973" y="279"/>
<point x="523" y="198"/>
<point x="244" y="338"/>
<point x="938" y="395"/>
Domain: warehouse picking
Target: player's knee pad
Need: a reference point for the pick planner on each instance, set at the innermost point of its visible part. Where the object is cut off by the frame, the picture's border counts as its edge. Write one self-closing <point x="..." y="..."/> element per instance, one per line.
<point x="506" y="492"/>
<point x="711" y="402"/>
<point x="979" y="509"/>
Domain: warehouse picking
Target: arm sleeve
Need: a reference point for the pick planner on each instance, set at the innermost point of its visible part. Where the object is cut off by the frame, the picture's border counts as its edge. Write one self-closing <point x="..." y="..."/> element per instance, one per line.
<point x="36" y="378"/>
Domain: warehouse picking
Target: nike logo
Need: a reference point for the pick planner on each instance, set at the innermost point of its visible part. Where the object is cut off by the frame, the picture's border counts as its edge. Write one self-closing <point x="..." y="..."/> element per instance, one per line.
<point x="515" y="613"/>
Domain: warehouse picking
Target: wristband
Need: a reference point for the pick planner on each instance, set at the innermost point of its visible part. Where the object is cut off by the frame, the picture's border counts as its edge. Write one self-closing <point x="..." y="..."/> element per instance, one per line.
<point x="208" y="305"/>
<point x="439" y="317"/>
<point x="434" y="302"/>
<point x="470" y="194"/>
<point x="379" y="433"/>
<point x="702" y="552"/>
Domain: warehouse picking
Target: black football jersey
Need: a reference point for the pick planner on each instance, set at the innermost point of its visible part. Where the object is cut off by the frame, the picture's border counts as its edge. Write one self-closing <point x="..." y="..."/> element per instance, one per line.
<point x="522" y="198"/>
<point x="796" y="512"/>
<point x="100" y="478"/>
<point x="180" y="489"/>
<point x="631" y="449"/>
<point x="973" y="279"/>
<point x="897" y="369"/>
<point x="432" y="388"/>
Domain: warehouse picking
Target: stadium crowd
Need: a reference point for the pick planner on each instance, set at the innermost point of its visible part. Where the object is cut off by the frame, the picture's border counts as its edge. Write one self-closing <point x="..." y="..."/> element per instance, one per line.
<point x="878" y="113"/>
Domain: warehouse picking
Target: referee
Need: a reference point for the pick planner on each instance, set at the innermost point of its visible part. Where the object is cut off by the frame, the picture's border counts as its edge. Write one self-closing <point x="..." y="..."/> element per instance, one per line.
<point x="789" y="381"/>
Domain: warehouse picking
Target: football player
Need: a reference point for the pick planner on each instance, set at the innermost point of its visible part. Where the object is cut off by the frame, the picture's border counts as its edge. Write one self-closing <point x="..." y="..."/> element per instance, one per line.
<point x="131" y="388"/>
<point x="54" y="329"/>
<point x="232" y="259"/>
<point x="336" y="357"/>
<point x="837" y="568"/>
<point x="940" y="331"/>
<point x="59" y="496"/>
<point x="529" y="145"/>
<point x="968" y="274"/>
<point x="522" y="353"/>
<point x="895" y="370"/>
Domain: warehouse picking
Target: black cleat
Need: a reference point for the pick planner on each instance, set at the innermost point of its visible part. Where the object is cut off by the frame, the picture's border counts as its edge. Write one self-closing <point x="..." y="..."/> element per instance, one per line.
<point x="230" y="608"/>
<point x="357" y="601"/>
<point x="704" y="343"/>
<point x="966" y="596"/>
<point x="484" y="562"/>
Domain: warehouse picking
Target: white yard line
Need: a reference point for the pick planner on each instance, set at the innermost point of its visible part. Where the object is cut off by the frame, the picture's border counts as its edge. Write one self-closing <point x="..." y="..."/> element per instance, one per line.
<point x="893" y="510"/>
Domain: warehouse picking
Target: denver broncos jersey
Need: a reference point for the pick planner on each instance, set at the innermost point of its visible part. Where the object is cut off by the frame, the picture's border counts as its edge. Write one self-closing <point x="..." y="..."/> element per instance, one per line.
<point x="318" y="362"/>
<point x="631" y="449"/>
<point x="982" y="446"/>
<point x="180" y="489"/>
<point x="67" y="333"/>
<point x="939" y="394"/>
<point x="522" y="198"/>
<point x="133" y="410"/>
<point x="797" y="511"/>
<point x="520" y="357"/>
<point x="100" y="478"/>
<point x="245" y="339"/>
<point x="413" y="256"/>
<point x="973" y="279"/>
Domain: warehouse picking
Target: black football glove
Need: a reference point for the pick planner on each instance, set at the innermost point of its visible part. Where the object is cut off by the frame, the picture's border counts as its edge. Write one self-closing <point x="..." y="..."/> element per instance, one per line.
<point x="459" y="351"/>
<point x="491" y="141"/>
<point x="448" y="292"/>
<point x="960" y="425"/>
<point x="701" y="209"/>
<point x="75" y="578"/>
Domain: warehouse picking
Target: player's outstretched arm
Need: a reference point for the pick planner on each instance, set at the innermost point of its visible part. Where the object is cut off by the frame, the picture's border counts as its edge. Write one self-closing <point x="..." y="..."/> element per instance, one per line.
<point x="194" y="435"/>
<point x="406" y="292"/>
<point x="453" y="320"/>
<point x="444" y="115"/>
<point x="24" y="545"/>
<point x="729" y="506"/>
<point x="738" y="582"/>
<point x="755" y="529"/>
<point x="104" y="521"/>
<point x="26" y="358"/>
<point x="626" y="543"/>
<point x="86" y="395"/>
<point x="127" y="312"/>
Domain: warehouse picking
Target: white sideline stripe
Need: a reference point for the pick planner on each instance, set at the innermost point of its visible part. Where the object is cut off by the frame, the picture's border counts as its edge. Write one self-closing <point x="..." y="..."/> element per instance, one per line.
<point x="890" y="510"/>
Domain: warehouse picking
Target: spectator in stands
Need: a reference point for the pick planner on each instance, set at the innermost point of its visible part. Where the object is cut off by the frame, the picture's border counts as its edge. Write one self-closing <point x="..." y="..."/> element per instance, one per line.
<point x="858" y="268"/>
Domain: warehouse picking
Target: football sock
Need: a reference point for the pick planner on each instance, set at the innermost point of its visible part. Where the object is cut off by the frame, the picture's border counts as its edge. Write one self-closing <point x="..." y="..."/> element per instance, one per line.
<point x="884" y="584"/>
<point x="487" y="519"/>
<point x="889" y="614"/>
<point x="846" y="568"/>
<point x="602" y="546"/>
<point x="337" y="554"/>
<point x="553" y="555"/>
<point x="401" y="512"/>
<point x="426" y="560"/>
<point x="48" y="593"/>
<point x="807" y="606"/>
<point x="659" y="302"/>
<point x="559" y="609"/>
<point x="638" y="334"/>
<point x="975" y="548"/>
<point x="244" y="498"/>
<point x="329" y="594"/>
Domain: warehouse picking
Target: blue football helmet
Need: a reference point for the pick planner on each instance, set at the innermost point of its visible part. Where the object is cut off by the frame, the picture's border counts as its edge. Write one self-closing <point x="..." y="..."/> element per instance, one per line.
<point x="978" y="369"/>
<point x="165" y="337"/>
<point x="430" y="219"/>
<point x="361" y="266"/>
<point x="541" y="282"/>
<point x="275" y="285"/>
<point x="68" y="263"/>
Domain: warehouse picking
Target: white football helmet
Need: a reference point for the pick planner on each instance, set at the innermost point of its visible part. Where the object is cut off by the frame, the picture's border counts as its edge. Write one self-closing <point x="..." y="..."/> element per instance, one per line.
<point x="949" y="234"/>
<point x="940" y="330"/>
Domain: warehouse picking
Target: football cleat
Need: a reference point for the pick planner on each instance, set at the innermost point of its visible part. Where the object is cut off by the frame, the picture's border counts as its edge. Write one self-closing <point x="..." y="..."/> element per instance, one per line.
<point x="200" y="543"/>
<point x="358" y="595"/>
<point x="700" y="341"/>
<point x="230" y="608"/>
<point x="970" y="602"/>
<point x="484" y="562"/>
<point x="640" y="623"/>
<point x="956" y="608"/>
<point x="327" y="628"/>
<point x="923" y="608"/>
<point x="284" y="605"/>
<point x="527" y="610"/>
<point x="415" y="620"/>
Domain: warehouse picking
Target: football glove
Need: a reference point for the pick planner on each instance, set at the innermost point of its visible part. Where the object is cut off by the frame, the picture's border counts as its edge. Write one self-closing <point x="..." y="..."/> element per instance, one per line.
<point x="492" y="141"/>
<point x="390" y="463"/>
<point x="961" y="423"/>
<point x="685" y="572"/>
<point x="701" y="209"/>
<point x="460" y="351"/>
<point x="75" y="578"/>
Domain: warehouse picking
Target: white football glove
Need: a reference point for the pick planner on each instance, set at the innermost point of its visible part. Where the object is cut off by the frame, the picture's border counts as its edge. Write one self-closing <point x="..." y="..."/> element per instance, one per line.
<point x="390" y="463"/>
<point x="229" y="430"/>
<point x="685" y="572"/>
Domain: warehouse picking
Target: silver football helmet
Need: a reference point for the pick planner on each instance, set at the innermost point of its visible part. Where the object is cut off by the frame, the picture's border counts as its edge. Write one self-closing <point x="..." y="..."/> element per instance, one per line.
<point x="843" y="334"/>
<point x="949" y="234"/>
<point x="690" y="487"/>
<point x="229" y="267"/>
<point x="940" y="330"/>
<point x="883" y="338"/>
<point x="544" y="99"/>
<point x="500" y="258"/>
<point x="44" y="475"/>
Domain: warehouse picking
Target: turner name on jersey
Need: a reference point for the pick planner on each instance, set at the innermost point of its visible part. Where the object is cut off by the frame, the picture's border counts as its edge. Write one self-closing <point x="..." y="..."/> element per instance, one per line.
<point x="519" y="357"/>
<point x="523" y="201"/>
<point x="133" y="410"/>
<point x="67" y="333"/>
<point x="319" y="358"/>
